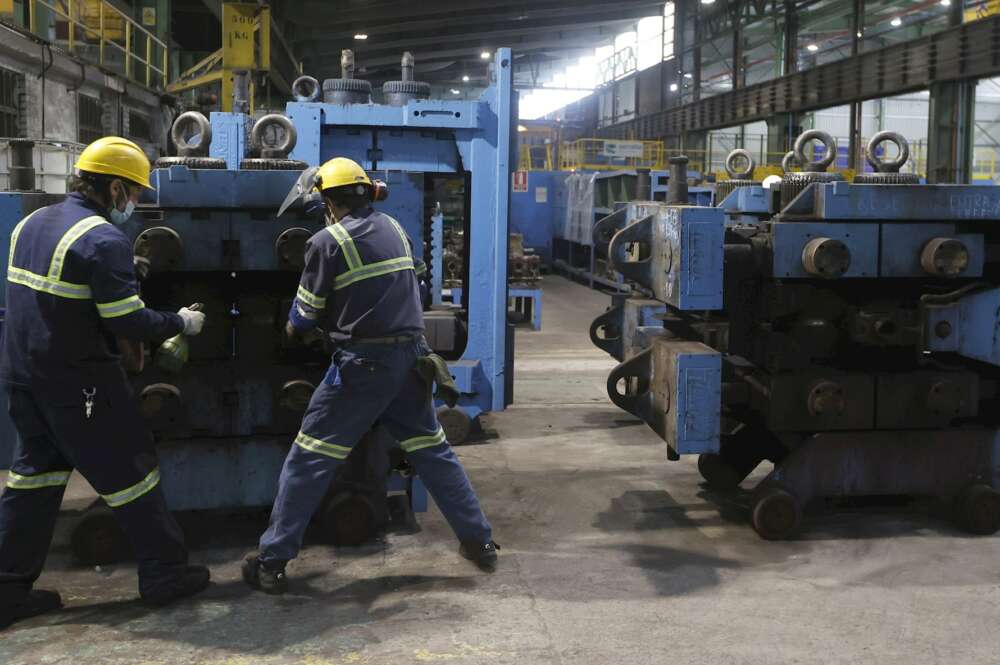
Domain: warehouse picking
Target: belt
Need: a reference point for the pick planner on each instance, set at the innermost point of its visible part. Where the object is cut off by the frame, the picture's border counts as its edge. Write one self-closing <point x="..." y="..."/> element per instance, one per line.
<point x="396" y="339"/>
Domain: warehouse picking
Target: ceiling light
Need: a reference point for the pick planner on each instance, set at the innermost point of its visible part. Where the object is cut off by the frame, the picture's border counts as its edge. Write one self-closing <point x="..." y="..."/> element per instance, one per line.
<point x="707" y="2"/>
<point x="813" y="48"/>
<point x="859" y="34"/>
<point x="361" y="36"/>
<point x="896" y="22"/>
<point x="485" y="55"/>
<point x="946" y="3"/>
<point x="689" y="76"/>
<point x="456" y="92"/>
<point x="673" y="87"/>
<point x="522" y="128"/>
<point x="465" y="79"/>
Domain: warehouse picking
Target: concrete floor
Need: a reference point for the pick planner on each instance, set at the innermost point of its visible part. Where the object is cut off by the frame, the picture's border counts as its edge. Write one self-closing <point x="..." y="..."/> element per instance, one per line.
<point x="610" y="554"/>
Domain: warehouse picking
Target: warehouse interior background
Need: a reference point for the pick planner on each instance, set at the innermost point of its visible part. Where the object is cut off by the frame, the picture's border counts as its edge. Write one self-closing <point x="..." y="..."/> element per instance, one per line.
<point x="531" y="146"/>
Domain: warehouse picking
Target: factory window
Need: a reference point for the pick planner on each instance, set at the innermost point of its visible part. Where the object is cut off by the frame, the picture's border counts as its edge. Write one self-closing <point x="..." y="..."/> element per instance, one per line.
<point x="625" y="59"/>
<point x="89" y="112"/>
<point x="668" y="31"/>
<point x="650" y="41"/>
<point x="138" y="126"/>
<point x="11" y="85"/>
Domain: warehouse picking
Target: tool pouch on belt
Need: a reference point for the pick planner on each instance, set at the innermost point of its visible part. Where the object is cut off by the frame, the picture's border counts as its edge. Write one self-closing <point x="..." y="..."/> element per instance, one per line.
<point x="432" y="368"/>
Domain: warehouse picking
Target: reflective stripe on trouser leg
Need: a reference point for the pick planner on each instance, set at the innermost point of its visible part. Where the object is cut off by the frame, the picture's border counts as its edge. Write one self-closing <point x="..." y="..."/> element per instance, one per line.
<point x="133" y="492"/>
<point x="448" y="484"/>
<point x="38" y="481"/>
<point x="305" y="479"/>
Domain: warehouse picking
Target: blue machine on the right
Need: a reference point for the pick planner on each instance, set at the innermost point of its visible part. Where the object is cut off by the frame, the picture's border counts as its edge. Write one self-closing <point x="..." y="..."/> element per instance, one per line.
<point x="847" y="332"/>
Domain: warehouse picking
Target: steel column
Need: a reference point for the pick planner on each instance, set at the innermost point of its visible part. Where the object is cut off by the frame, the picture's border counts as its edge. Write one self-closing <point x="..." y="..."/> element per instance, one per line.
<point x="950" y="132"/>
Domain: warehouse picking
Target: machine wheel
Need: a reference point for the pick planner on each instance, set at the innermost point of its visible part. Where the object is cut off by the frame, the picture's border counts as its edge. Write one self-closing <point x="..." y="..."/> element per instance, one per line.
<point x="978" y="509"/>
<point x="456" y="424"/>
<point x="272" y="164"/>
<point x="97" y="540"/>
<point x="349" y="519"/>
<point x="775" y="514"/>
<point x="719" y="474"/>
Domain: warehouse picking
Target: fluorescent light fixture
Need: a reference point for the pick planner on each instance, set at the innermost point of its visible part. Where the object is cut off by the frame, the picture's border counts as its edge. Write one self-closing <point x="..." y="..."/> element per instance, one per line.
<point x="485" y="55"/>
<point x="946" y="3"/>
<point x="361" y="36"/>
<point x="673" y="87"/>
<point x="456" y="92"/>
<point x="813" y="48"/>
<point x="896" y="22"/>
<point x="465" y="79"/>
<point x="708" y="2"/>
<point x="689" y="76"/>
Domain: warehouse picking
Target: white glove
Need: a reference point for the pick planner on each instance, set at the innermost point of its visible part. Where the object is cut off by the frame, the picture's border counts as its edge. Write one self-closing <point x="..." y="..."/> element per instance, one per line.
<point x="193" y="320"/>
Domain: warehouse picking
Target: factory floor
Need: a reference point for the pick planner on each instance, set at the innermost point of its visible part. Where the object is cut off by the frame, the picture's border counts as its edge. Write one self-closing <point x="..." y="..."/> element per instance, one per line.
<point x="611" y="554"/>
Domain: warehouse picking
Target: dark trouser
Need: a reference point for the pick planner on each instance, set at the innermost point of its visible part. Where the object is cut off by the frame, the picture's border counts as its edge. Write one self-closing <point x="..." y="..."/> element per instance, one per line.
<point x="113" y="450"/>
<point x="369" y="382"/>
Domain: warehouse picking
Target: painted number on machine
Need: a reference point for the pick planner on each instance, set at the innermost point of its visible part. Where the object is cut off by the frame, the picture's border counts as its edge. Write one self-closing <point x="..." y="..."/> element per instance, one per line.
<point x="520" y="183"/>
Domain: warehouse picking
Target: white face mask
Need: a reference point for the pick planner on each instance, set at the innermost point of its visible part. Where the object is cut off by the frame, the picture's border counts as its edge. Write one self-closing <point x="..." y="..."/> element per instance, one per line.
<point x="121" y="216"/>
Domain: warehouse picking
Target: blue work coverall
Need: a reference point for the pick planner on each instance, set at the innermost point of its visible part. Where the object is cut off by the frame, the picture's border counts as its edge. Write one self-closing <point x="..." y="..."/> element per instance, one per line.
<point x="360" y="286"/>
<point x="71" y="289"/>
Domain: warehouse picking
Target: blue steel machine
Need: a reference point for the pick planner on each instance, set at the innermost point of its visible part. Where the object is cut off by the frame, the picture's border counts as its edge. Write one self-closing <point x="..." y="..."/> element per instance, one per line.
<point x="844" y="331"/>
<point x="210" y="234"/>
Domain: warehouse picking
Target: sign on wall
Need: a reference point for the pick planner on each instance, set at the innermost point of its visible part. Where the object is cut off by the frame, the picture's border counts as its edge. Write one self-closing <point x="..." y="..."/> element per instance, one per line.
<point x="622" y="149"/>
<point x="520" y="183"/>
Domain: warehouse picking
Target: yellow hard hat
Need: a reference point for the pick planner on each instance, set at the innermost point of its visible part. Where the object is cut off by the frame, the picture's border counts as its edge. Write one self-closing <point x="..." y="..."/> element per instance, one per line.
<point x="116" y="156"/>
<point x="339" y="172"/>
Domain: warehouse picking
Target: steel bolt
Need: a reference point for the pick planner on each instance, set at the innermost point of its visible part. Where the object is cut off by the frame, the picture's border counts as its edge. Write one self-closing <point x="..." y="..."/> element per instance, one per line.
<point x="944" y="257"/>
<point x="826" y="257"/>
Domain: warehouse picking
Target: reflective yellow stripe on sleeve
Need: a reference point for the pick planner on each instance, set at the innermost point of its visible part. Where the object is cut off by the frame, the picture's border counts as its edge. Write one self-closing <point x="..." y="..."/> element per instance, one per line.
<point x="307" y="442"/>
<point x="130" y="494"/>
<point x="310" y="298"/>
<point x="110" y="310"/>
<point x="420" y="442"/>
<point x="52" y="479"/>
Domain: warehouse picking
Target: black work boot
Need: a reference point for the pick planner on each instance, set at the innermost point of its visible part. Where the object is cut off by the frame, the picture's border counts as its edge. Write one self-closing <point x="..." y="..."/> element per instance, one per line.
<point x="191" y="580"/>
<point x="35" y="603"/>
<point x="269" y="578"/>
<point x="483" y="555"/>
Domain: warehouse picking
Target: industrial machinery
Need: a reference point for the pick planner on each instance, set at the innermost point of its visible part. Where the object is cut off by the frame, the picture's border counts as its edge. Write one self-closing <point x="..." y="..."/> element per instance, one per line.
<point x="843" y="331"/>
<point x="210" y="233"/>
<point x="523" y="267"/>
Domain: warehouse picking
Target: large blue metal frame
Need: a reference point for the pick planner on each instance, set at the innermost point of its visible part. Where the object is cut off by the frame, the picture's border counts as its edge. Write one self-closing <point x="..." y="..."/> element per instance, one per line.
<point x="436" y="136"/>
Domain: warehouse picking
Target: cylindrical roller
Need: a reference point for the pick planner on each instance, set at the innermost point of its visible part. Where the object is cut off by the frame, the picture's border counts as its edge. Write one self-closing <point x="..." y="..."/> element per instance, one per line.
<point x="199" y="126"/>
<point x="295" y="395"/>
<point x="161" y="246"/>
<point x="643" y="185"/>
<point x="347" y="91"/>
<point x="826" y="398"/>
<point x="406" y="67"/>
<point x="280" y="124"/>
<point x="826" y="257"/>
<point x="677" y="186"/>
<point x="945" y="398"/>
<point x="306" y="89"/>
<point x="22" y="165"/>
<point x="291" y="248"/>
<point x="944" y="257"/>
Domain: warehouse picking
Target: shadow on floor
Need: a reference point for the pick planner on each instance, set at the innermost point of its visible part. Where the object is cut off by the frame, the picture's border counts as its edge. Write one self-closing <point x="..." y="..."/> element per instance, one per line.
<point x="232" y="616"/>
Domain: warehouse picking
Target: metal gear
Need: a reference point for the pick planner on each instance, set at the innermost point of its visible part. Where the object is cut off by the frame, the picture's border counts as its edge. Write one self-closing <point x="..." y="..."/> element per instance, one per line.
<point x="191" y="162"/>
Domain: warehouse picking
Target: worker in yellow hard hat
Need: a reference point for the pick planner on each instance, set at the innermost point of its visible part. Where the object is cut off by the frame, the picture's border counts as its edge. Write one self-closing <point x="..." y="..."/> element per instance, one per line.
<point x="360" y="286"/>
<point x="71" y="291"/>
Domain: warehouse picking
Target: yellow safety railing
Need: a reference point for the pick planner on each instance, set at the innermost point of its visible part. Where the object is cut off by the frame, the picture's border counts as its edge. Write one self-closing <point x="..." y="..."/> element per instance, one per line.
<point x="97" y="31"/>
<point x="608" y="155"/>
<point x="536" y="157"/>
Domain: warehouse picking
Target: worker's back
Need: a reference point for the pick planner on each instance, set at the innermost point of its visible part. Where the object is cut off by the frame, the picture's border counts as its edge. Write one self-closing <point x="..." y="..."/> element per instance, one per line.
<point x="360" y="272"/>
<point x="51" y="322"/>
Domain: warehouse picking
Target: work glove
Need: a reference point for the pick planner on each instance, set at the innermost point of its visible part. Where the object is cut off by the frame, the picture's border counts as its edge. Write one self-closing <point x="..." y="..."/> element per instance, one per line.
<point x="194" y="319"/>
<point x="142" y="267"/>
